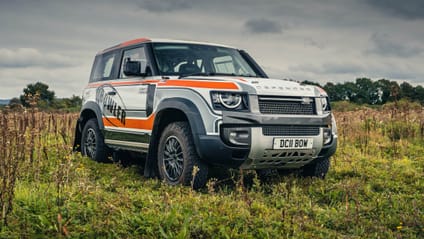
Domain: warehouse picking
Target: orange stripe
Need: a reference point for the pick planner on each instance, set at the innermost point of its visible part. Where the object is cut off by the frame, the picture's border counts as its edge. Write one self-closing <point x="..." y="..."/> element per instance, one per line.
<point x="124" y="44"/>
<point x="145" y="124"/>
<point x="201" y="84"/>
<point x="134" y="41"/>
<point x="181" y="83"/>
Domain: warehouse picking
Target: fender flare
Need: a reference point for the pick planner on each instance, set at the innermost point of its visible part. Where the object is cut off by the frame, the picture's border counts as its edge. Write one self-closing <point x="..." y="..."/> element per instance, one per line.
<point x="89" y="106"/>
<point x="93" y="106"/>
<point x="189" y="109"/>
<point x="195" y="121"/>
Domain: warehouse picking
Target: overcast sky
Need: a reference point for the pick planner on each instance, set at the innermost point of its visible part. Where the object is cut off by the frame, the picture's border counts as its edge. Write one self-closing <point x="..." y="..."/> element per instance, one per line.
<point x="318" y="40"/>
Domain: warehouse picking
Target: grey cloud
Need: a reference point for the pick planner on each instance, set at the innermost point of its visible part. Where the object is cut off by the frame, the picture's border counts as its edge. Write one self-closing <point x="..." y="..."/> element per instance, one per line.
<point x="166" y="5"/>
<point x="327" y="39"/>
<point x="340" y="68"/>
<point x="30" y="57"/>
<point x="385" y="46"/>
<point x="263" y="25"/>
<point x="329" y="68"/>
<point x="389" y="70"/>
<point x="313" y="43"/>
<point x="407" y="9"/>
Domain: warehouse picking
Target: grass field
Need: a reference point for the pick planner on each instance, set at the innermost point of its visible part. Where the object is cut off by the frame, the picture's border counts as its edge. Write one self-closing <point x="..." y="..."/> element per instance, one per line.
<point x="375" y="187"/>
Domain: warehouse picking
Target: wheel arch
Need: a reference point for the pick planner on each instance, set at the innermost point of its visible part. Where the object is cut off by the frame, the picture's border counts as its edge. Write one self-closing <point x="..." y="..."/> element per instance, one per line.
<point x="88" y="111"/>
<point x="168" y="111"/>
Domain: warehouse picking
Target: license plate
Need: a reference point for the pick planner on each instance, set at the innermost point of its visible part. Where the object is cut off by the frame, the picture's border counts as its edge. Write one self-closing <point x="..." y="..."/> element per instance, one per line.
<point x="293" y="143"/>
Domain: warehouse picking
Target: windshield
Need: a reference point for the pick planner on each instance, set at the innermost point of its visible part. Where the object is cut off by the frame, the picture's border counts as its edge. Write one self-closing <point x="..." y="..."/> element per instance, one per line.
<point x="185" y="59"/>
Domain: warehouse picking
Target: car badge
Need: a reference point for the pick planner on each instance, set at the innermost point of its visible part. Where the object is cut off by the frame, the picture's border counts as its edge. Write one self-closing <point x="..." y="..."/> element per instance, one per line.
<point x="306" y="101"/>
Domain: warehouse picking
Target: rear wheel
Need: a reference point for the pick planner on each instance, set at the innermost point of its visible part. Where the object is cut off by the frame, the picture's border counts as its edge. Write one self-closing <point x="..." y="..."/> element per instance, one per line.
<point x="178" y="161"/>
<point x="317" y="169"/>
<point x="92" y="142"/>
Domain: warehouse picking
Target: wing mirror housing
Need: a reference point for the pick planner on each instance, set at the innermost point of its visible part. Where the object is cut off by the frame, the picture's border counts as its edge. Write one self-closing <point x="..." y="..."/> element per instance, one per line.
<point x="135" y="68"/>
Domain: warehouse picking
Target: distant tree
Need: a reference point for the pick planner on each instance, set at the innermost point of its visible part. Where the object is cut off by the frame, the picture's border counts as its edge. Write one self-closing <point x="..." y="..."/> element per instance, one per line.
<point x="15" y="103"/>
<point x="366" y="93"/>
<point x="38" y="93"/>
<point x="419" y="94"/>
<point x="351" y="91"/>
<point x="407" y="91"/>
<point x="335" y="92"/>
<point x="383" y="88"/>
<point x="306" y="82"/>
<point x="394" y="91"/>
<point x="75" y="101"/>
<point x="67" y="103"/>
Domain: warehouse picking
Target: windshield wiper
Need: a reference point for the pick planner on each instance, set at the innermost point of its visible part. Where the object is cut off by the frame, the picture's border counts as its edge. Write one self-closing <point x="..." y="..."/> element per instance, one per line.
<point x="194" y="74"/>
<point x="213" y="74"/>
<point x="232" y="74"/>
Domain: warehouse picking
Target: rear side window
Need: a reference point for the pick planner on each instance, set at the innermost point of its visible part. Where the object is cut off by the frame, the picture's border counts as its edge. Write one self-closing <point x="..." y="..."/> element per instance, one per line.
<point x="103" y="67"/>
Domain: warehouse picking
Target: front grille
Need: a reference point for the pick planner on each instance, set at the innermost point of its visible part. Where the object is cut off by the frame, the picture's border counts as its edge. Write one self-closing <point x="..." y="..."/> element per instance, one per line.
<point x="286" y="130"/>
<point x="289" y="106"/>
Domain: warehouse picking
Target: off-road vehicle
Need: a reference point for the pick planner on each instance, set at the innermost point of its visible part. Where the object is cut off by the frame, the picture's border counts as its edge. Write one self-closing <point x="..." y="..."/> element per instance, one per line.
<point x="192" y="105"/>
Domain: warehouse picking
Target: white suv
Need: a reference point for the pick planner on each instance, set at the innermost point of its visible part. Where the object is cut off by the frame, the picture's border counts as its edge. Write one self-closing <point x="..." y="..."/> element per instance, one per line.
<point x="191" y="105"/>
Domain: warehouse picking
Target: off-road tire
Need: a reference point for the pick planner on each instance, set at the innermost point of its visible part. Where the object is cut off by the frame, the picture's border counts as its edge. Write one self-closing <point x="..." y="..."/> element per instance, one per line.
<point x="317" y="169"/>
<point x="177" y="157"/>
<point x="93" y="143"/>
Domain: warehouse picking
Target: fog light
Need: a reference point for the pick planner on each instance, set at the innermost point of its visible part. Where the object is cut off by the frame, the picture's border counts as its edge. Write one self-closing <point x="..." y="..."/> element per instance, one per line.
<point x="239" y="137"/>
<point x="327" y="136"/>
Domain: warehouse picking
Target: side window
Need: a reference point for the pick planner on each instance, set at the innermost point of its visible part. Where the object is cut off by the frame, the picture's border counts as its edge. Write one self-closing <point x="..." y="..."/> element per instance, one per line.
<point x="107" y="70"/>
<point x="136" y="54"/>
<point x="103" y="67"/>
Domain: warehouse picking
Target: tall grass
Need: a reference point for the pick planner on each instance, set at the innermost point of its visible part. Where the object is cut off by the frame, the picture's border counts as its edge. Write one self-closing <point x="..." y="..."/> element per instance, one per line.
<point x="374" y="189"/>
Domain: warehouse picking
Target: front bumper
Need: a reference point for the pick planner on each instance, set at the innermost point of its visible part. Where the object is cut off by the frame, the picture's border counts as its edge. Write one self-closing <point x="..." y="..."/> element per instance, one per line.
<point x="262" y="155"/>
<point x="258" y="152"/>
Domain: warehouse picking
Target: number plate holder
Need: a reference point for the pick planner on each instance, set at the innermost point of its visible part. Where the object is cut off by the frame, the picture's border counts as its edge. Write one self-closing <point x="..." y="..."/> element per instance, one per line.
<point x="293" y="143"/>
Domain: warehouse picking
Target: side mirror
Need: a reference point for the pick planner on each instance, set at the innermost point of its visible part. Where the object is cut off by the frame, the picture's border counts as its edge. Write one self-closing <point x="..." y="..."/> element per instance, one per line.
<point x="134" y="68"/>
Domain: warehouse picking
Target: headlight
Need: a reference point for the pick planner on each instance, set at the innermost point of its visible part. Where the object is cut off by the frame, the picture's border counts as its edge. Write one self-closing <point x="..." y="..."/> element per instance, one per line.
<point x="325" y="104"/>
<point x="229" y="100"/>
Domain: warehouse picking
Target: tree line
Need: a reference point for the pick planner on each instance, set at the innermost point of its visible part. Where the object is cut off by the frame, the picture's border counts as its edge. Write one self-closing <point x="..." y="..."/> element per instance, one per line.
<point x="366" y="91"/>
<point x="362" y="91"/>
<point x="38" y="95"/>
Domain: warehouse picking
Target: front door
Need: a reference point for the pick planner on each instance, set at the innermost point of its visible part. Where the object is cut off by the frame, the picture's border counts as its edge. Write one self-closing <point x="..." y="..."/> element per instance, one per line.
<point x="126" y="108"/>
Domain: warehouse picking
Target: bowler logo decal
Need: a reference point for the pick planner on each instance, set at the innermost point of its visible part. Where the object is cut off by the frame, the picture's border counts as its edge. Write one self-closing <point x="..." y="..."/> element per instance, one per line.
<point x="111" y="103"/>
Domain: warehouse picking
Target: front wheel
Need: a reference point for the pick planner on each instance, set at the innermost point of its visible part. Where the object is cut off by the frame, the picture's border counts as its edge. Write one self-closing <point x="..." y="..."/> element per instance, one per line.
<point x="178" y="161"/>
<point x="92" y="142"/>
<point x="317" y="169"/>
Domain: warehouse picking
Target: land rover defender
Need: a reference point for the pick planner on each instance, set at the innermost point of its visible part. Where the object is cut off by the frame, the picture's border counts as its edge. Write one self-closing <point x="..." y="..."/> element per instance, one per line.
<point x="192" y="105"/>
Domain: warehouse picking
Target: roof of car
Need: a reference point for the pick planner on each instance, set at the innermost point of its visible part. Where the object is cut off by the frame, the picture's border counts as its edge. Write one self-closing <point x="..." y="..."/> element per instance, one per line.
<point x="158" y="40"/>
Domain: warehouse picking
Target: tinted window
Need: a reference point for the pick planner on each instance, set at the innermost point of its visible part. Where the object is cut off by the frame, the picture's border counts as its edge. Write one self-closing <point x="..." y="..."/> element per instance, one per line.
<point x="182" y="58"/>
<point x="103" y="67"/>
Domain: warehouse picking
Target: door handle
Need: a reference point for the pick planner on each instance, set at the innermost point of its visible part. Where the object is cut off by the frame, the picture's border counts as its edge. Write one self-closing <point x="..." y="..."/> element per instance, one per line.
<point x="111" y="93"/>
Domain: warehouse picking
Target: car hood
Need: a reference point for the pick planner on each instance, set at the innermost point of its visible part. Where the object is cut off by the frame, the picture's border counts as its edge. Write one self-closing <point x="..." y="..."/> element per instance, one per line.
<point x="268" y="86"/>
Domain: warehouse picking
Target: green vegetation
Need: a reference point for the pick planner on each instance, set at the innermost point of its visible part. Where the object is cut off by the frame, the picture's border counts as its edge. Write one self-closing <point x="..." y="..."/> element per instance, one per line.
<point x="366" y="91"/>
<point x="38" y="95"/>
<point x="374" y="189"/>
